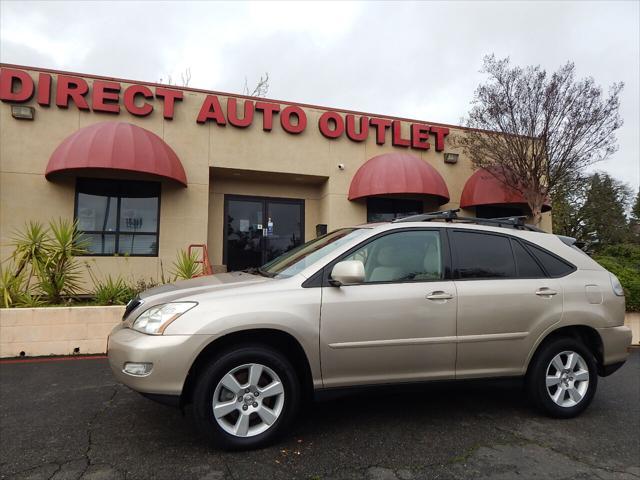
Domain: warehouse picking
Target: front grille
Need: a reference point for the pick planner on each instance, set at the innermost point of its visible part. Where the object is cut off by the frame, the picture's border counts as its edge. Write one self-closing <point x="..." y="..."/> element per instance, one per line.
<point x="131" y="306"/>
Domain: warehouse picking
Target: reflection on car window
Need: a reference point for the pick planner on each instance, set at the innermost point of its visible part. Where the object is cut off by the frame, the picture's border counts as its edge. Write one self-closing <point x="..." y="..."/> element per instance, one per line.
<point x="482" y="255"/>
<point x="296" y="260"/>
<point x="402" y="256"/>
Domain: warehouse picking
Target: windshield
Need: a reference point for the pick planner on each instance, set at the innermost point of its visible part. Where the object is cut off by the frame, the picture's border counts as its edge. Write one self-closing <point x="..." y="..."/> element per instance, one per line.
<point x="296" y="260"/>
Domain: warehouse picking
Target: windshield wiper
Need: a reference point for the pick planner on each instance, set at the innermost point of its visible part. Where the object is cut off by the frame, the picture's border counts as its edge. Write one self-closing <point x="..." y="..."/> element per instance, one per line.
<point x="258" y="271"/>
<point x="264" y="273"/>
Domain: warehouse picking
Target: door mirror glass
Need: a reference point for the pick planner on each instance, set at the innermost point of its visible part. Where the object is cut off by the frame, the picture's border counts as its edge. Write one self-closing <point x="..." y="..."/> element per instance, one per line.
<point x="348" y="272"/>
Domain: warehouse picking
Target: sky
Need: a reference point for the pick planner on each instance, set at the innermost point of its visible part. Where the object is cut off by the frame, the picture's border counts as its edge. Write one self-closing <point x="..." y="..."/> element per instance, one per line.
<point x="417" y="60"/>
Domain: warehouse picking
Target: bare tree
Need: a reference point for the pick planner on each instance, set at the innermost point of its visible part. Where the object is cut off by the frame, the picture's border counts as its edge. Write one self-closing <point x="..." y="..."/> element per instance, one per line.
<point x="536" y="131"/>
<point x="261" y="89"/>
<point x="185" y="78"/>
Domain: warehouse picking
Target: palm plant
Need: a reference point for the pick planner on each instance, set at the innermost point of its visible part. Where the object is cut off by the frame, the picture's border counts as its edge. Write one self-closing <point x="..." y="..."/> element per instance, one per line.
<point x="11" y="284"/>
<point x="186" y="266"/>
<point x="59" y="273"/>
<point x="31" y="247"/>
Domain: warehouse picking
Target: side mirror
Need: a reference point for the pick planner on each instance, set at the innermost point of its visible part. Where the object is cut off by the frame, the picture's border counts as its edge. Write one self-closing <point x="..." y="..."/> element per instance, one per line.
<point x="348" y="272"/>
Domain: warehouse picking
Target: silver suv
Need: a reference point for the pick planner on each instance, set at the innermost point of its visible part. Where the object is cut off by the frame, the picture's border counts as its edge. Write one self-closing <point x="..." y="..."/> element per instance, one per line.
<point x="430" y="297"/>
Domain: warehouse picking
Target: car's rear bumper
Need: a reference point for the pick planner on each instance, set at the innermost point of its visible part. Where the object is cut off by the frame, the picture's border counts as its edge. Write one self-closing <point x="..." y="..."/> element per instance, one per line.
<point x="615" y="345"/>
<point x="171" y="356"/>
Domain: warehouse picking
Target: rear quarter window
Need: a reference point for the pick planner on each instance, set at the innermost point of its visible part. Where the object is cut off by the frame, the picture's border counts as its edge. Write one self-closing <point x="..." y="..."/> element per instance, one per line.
<point x="527" y="266"/>
<point x="555" y="266"/>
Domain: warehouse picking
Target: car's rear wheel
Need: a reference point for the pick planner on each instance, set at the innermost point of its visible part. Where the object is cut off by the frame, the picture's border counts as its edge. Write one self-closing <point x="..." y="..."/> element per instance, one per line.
<point x="562" y="378"/>
<point x="246" y="398"/>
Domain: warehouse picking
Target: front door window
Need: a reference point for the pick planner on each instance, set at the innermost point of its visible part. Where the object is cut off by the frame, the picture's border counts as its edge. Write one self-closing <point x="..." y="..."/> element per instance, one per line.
<point x="413" y="255"/>
<point x="257" y="229"/>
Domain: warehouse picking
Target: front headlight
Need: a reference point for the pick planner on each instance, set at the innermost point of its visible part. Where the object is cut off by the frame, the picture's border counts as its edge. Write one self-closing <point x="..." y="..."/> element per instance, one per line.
<point x="616" y="285"/>
<point x="156" y="319"/>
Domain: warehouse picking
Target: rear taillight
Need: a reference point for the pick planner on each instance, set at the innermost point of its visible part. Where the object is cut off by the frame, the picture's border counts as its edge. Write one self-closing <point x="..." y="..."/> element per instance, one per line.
<point x="616" y="285"/>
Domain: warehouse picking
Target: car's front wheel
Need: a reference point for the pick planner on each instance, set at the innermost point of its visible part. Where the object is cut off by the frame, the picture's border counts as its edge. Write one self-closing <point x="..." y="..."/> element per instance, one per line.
<point x="562" y="378"/>
<point x="246" y="397"/>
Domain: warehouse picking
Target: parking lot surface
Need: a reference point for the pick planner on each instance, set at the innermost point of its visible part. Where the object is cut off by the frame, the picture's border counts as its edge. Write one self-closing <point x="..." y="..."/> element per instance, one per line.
<point x="71" y="420"/>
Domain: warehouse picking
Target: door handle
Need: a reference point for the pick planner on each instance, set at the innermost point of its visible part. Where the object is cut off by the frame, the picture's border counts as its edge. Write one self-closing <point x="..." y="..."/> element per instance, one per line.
<point x="546" y="292"/>
<point x="439" y="295"/>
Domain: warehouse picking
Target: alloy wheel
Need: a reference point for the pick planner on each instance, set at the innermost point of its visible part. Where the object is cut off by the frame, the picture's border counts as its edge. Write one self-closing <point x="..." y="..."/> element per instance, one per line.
<point x="248" y="400"/>
<point x="567" y="379"/>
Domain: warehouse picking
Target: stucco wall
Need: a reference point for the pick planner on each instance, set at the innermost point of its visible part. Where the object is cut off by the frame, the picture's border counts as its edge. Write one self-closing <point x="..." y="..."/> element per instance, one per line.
<point x="269" y="162"/>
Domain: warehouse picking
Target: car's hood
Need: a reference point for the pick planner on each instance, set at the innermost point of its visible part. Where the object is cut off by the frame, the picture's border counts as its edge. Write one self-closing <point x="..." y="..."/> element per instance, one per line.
<point x="199" y="285"/>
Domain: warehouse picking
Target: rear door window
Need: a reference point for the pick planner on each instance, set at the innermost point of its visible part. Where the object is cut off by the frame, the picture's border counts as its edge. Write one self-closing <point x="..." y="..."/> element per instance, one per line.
<point x="482" y="255"/>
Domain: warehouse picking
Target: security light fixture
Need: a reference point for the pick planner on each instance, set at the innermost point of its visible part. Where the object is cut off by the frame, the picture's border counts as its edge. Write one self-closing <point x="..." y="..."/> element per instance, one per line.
<point x="23" y="113"/>
<point x="450" y="158"/>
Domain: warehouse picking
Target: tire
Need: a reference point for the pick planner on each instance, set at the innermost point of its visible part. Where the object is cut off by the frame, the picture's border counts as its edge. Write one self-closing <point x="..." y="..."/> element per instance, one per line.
<point x="571" y="388"/>
<point x="263" y="409"/>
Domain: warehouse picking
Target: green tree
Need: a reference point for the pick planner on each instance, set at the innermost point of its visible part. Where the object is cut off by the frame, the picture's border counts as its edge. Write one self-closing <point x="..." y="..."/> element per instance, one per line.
<point x="634" y="221"/>
<point x="568" y="213"/>
<point x="603" y="212"/>
<point x="592" y="210"/>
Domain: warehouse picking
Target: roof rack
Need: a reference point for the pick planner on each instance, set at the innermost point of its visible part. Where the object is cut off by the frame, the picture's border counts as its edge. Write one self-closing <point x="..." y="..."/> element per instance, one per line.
<point x="516" y="222"/>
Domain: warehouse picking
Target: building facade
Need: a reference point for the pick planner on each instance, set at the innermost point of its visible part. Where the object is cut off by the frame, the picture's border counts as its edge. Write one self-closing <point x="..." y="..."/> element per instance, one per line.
<point x="148" y="169"/>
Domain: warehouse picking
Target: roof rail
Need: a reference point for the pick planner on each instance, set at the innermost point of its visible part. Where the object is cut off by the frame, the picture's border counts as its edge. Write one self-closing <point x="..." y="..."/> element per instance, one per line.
<point x="516" y="222"/>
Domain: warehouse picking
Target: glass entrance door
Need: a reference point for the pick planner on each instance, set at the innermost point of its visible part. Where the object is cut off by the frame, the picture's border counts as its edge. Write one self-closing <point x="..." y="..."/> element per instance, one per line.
<point x="259" y="229"/>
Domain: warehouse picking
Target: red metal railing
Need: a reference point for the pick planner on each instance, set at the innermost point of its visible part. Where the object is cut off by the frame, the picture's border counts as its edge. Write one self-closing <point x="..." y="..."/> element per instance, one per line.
<point x="204" y="258"/>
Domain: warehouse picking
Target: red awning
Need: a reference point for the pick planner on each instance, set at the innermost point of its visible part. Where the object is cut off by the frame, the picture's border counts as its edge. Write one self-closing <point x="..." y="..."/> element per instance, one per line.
<point x="116" y="146"/>
<point x="483" y="188"/>
<point x="398" y="173"/>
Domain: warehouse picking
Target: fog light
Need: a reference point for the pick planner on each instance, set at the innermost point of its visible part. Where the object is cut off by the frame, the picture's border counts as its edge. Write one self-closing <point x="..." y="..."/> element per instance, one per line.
<point x="137" y="369"/>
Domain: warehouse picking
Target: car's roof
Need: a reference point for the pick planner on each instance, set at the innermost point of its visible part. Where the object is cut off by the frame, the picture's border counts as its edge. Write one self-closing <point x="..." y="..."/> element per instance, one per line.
<point x="445" y="224"/>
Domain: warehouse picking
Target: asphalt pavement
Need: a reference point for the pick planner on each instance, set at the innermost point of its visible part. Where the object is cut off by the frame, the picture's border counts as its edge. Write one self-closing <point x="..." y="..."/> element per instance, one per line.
<point x="71" y="420"/>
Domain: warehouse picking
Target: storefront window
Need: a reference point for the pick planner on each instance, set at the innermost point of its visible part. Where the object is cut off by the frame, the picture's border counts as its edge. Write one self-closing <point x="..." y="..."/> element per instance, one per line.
<point x="388" y="209"/>
<point x="118" y="217"/>
<point x="489" y="211"/>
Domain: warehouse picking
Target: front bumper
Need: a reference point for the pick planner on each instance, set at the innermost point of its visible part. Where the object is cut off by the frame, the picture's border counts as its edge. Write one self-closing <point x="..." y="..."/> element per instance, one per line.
<point x="171" y="356"/>
<point x="615" y="343"/>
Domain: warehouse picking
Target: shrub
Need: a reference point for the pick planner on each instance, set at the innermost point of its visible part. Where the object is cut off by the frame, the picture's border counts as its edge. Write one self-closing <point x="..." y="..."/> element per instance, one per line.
<point x="142" y="285"/>
<point x="623" y="261"/>
<point x="113" y="291"/>
<point x="43" y="269"/>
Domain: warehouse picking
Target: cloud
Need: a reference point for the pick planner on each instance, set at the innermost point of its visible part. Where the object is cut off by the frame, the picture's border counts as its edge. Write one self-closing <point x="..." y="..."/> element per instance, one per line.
<point x="419" y="60"/>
